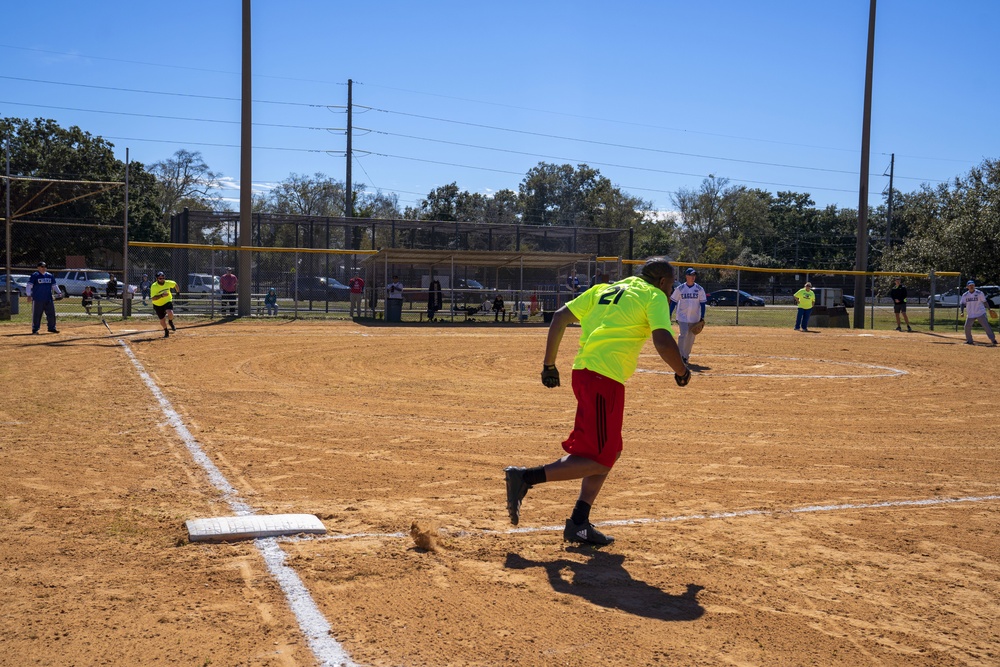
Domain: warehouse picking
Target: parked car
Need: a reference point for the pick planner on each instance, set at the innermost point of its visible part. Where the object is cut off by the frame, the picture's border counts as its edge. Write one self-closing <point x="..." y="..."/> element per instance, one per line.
<point x="203" y="283"/>
<point x="19" y="283"/>
<point x="992" y="293"/>
<point x="727" y="297"/>
<point x="72" y="282"/>
<point x="322" y="289"/>
<point x="948" y="299"/>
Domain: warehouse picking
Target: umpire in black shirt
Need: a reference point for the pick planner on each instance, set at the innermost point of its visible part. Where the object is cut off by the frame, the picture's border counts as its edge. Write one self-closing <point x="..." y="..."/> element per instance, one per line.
<point x="898" y="295"/>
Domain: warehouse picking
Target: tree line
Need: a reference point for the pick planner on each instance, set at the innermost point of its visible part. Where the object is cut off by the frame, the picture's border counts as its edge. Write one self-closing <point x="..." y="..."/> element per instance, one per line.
<point x="952" y="226"/>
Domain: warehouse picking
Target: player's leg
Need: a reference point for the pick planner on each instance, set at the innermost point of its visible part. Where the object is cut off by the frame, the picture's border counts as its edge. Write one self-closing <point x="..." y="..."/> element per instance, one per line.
<point x="50" y="316"/>
<point x="968" y="330"/>
<point x="984" y="321"/>
<point x="806" y="312"/>
<point x="170" y="319"/>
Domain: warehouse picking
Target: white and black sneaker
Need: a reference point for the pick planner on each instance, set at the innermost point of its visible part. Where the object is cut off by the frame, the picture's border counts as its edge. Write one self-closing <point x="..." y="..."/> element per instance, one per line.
<point x="517" y="489"/>
<point x="585" y="534"/>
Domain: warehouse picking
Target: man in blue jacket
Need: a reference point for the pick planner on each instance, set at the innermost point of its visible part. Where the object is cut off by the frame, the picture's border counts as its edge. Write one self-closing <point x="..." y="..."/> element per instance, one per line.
<point x="41" y="285"/>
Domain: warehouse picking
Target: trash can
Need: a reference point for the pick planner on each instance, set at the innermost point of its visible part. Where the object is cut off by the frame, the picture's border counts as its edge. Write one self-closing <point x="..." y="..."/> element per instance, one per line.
<point x="14" y="307"/>
<point x="837" y="317"/>
<point x="393" y="310"/>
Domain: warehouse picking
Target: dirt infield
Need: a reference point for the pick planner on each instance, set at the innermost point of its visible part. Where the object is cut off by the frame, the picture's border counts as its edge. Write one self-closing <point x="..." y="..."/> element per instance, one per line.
<point x="792" y="506"/>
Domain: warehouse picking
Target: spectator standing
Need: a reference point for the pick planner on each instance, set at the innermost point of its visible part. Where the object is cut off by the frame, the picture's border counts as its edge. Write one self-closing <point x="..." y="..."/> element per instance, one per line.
<point x="898" y="296"/>
<point x="975" y="306"/>
<point x="394" y="301"/>
<point x="688" y="299"/>
<point x="228" y="283"/>
<point x="88" y="298"/>
<point x="615" y="322"/>
<point x="357" y="285"/>
<point x="112" y="289"/>
<point x="163" y="301"/>
<point x="573" y="283"/>
<point x="434" y="300"/>
<point x="271" y="301"/>
<point x="144" y="287"/>
<point x="41" y="289"/>
<point x="805" y="299"/>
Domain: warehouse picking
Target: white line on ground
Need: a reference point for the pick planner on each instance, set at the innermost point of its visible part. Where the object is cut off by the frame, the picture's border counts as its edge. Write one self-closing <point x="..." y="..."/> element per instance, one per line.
<point x="888" y="371"/>
<point x="311" y="621"/>
<point x="683" y="517"/>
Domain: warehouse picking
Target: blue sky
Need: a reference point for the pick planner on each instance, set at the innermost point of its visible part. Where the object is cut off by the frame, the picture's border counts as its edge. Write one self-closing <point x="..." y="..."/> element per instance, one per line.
<point x="655" y="95"/>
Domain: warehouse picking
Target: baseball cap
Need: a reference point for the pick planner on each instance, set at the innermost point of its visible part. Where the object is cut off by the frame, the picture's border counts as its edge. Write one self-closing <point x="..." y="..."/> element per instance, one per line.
<point x="690" y="272"/>
<point x="160" y="273"/>
<point x="41" y="264"/>
<point x="971" y="282"/>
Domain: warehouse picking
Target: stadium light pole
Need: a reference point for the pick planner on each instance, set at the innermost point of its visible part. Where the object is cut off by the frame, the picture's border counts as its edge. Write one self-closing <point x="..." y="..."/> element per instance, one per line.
<point x="246" y="173"/>
<point x="861" y="251"/>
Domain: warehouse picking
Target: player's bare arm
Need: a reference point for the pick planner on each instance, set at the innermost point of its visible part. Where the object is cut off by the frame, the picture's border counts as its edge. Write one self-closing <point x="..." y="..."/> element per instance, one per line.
<point x="666" y="347"/>
<point x="561" y="319"/>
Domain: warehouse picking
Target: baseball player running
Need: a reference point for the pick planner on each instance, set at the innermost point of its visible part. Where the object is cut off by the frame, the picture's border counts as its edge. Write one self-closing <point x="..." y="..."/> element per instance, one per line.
<point x="689" y="300"/>
<point x="163" y="302"/>
<point x="615" y="322"/>
<point x="974" y="304"/>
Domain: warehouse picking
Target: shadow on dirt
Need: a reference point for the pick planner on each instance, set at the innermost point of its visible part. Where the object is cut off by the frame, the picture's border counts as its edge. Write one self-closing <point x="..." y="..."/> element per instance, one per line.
<point x="604" y="581"/>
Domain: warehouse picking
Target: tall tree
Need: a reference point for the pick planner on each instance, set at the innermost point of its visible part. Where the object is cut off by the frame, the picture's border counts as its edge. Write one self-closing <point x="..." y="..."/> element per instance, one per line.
<point x="42" y="149"/>
<point x="185" y="181"/>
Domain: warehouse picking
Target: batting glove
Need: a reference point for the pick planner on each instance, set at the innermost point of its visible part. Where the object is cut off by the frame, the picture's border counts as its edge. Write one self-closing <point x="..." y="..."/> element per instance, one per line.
<point x="550" y="376"/>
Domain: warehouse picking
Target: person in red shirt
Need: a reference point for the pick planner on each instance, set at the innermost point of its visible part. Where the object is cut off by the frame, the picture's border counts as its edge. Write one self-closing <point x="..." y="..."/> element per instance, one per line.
<point x="229" y="283"/>
<point x="357" y="285"/>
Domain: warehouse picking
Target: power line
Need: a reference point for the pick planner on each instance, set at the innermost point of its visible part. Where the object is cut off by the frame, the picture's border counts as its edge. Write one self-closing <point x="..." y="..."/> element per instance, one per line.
<point x="160" y="92"/>
<point x="597" y="143"/>
<point x="146" y="115"/>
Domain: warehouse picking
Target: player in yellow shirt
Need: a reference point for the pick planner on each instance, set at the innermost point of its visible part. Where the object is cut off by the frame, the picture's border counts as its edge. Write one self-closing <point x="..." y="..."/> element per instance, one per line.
<point x="615" y="320"/>
<point x="805" y="299"/>
<point x="163" y="301"/>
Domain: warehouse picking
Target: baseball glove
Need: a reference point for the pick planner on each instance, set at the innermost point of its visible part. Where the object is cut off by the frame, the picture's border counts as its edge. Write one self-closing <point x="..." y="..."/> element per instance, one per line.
<point x="550" y="376"/>
<point x="697" y="327"/>
<point x="993" y="314"/>
<point x="682" y="380"/>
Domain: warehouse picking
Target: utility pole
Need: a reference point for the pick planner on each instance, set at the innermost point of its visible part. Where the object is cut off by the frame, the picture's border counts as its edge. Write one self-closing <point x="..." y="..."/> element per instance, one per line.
<point x="888" y="212"/>
<point x="246" y="173"/>
<point x="7" y="215"/>
<point x="348" y="184"/>
<point x="861" y="250"/>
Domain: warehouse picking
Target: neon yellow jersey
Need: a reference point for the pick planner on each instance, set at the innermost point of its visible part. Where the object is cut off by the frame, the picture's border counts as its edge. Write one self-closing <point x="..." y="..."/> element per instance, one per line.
<point x="615" y="321"/>
<point x="806" y="297"/>
<point x="160" y="294"/>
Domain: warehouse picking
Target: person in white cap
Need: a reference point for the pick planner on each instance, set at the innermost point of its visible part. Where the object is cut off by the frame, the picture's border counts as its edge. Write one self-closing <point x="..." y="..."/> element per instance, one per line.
<point x="974" y="305"/>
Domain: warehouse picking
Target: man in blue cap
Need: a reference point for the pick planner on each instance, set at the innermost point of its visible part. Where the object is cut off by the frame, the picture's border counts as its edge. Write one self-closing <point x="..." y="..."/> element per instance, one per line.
<point x="688" y="301"/>
<point x="41" y="287"/>
<point x="975" y="306"/>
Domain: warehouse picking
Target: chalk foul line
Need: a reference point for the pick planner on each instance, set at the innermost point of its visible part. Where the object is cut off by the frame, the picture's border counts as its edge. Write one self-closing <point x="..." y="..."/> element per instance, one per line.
<point x="312" y="623"/>
<point x="811" y="509"/>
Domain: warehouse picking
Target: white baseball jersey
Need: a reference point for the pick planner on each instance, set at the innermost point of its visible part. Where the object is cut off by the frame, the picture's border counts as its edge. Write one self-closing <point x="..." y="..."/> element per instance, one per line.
<point x="688" y="300"/>
<point x="974" y="303"/>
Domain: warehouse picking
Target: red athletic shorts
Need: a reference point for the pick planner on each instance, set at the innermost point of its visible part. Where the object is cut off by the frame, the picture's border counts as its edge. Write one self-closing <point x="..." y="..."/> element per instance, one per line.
<point x="600" y="408"/>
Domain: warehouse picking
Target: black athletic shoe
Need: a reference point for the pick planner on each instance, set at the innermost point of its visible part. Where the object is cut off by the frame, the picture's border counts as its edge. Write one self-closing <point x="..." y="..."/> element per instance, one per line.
<point x="898" y="329"/>
<point x="517" y="488"/>
<point x="166" y="334"/>
<point x="172" y="327"/>
<point x="53" y="330"/>
<point x="908" y="329"/>
<point x="585" y="534"/>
